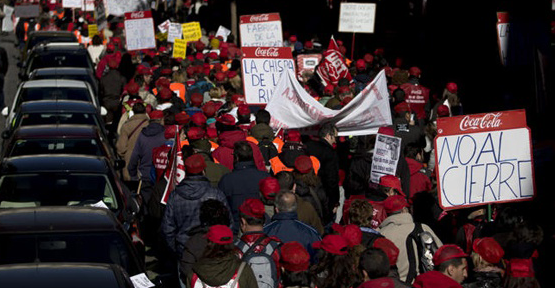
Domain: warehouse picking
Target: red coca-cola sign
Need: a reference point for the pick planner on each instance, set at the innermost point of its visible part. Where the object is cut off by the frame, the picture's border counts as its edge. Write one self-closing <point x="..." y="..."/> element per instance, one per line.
<point x="481" y="122"/>
<point x="257" y="18"/>
<point x="138" y="15"/>
<point x="267" y="52"/>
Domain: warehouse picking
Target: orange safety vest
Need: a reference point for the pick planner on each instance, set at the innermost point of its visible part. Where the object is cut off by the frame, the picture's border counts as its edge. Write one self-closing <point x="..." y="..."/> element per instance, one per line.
<point x="213" y="144"/>
<point x="26" y="28"/>
<point x="178" y="88"/>
<point x="278" y="166"/>
<point x="77" y="35"/>
<point x="277" y="142"/>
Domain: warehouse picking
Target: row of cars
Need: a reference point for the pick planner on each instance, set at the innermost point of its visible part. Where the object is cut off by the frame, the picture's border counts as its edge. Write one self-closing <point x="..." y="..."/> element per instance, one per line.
<point x="64" y="209"/>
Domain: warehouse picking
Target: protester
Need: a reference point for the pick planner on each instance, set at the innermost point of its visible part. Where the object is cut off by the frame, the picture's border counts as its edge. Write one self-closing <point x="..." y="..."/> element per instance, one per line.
<point x="450" y="269"/>
<point x="295" y="262"/>
<point x="334" y="268"/>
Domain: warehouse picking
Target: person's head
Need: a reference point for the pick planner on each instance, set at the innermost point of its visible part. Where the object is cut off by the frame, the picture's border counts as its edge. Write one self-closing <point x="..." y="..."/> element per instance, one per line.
<point x="285" y="202"/>
<point x="139" y="108"/>
<point x="213" y="212"/>
<point x="286" y="180"/>
<point x="96" y="40"/>
<point x="195" y="165"/>
<point x="350" y="232"/>
<point x="361" y="213"/>
<point x="390" y="185"/>
<point x="450" y="260"/>
<point x="328" y="132"/>
<point x="220" y="242"/>
<point x="396" y="204"/>
<point x="304" y="171"/>
<point x="295" y="262"/>
<point x="414" y="151"/>
<point x="156" y="116"/>
<point x="242" y="152"/>
<point x="486" y="252"/>
<point x="373" y="264"/>
<point x="263" y="116"/>
<point x="252" y="215"/>
<point x="269" y="187"/>
<point x="336" y="261"/>
<point x="389" y="248"/>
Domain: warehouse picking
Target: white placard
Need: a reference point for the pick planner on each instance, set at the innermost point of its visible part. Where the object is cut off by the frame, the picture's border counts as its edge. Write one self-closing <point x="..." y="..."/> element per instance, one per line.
<point x="72" y="3"/>
<point x="261" y="30"/>
<point x="7" y="22"/>
<point x="141" y="281"/>
<point x="139" y="31"/>
<point x="87" y="5"/>
<point x="174" y="32"/>
<point x="224" y="32"/>
<point x="100" y="204"/>
<point x="386" y="156"/>
<point x="164" y="26"/>
<point x="120" y="7"/>
<point x="357" y="17"/>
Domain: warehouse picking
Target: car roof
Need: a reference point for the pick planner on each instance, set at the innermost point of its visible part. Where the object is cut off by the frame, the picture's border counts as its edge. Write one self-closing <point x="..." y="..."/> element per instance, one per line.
<point x="62" y="71"/>
<point x="56" y="131"/>
<point x="60" y="106"/>
<point x="59" y="46"/>
<point x="60" y="83"/>
<point x="61" y="275"/>
<point x="51" y="33"/>
<point x="54" y="163"/>
<point x="58" y="219"/>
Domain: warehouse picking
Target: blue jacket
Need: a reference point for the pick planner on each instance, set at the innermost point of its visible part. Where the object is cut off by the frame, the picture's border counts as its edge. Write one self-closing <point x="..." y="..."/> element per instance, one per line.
<point x="183" y="209"/>
<point x="287" y="228"/>
<point x="241" y="184"/>
<point x="151" y="136"/>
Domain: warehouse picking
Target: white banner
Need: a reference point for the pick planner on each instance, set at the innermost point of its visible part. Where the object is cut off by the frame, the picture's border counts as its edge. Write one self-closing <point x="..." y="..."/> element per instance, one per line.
<point x="7" y="22"/>
<point x="385" y="158"/>
<point x="292" y="107"/>
<point x="72" y="3"/>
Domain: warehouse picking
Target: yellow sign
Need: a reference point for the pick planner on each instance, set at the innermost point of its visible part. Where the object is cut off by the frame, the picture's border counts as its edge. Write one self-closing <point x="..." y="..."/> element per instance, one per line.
<point x="179" y="48"/>
<point x="93" y="30"/>
<point x="191" y="31"/>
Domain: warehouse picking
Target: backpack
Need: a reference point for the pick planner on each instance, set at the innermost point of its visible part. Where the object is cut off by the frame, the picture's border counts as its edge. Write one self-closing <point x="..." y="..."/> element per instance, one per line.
<point x="426" y="247"/>
<point x="268" y="150"/>
<point x="232" y="283"/>
<point x="261" y="262"/>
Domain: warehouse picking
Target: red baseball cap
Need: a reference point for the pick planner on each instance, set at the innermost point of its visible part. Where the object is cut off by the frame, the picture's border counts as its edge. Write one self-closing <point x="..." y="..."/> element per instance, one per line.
<point x="293" y="38"/>
<point x="170" y="131"/>
<point x="197" y="99"/>
<point x="334" y="244"/>
<point x="360" y="64"/>
<point x="293" y="136"/>
<point x="389" y="248"/>
<point x="294" y="257"/>
<point x="133" y="88"/>
<point x="231" y="74"/>
<point x="384" y="130"/>
<point x="395" y="203"/>
<point x="199" y="119"/>
<point x="488" y="249"/>
<point x="213" y="55"/>
<point x="195" y="133"/>
<point x="165" y="93"/>
<point x="368" y="58"/>
<point x="238" y="99"/>
<point x="269" y="187"/>
<point x="166" y="71"/>
<point x="402" y="107"/>
<point x="209" y="109"/>
<point x="350" y="232"/>
<point x="211" y="132"/>
<point x="199" y="46"/>
<point x="110" y="47"/>
<point x="199" y="56"/>
<point x="156" y="114"/>
<point x="308" y="44"/>
<point x="452" y="87"/>
<point x="182" y="118"/>
<point x="443" y="111"/>
<point x="384" y="282"/>
<point x="253" y="207"/>
<point x="219" y="234"/>
<point x="218" y="67"/>
<point x="163" y="82"/>
<point x="415" y="71"/>
<point x="226" y="119"/>
<point x="243" y="109"/>
<point x="220" y="76"/>
<point x="448" y="252"/>
<point x="143" y="70"/>
<point x="303" y="164"/>
<point x="393" y="182"/>
<point x="195" y="164"/>
<point x="190" y="70"/>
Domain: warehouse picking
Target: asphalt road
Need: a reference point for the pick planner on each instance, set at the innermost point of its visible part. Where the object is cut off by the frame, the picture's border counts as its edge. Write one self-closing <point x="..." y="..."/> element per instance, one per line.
<point x="12" y="80"/>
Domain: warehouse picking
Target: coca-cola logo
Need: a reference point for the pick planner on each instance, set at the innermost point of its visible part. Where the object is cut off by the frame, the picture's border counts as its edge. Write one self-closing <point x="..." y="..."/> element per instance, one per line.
<point x="138" y="14"/>
<point x="266" y="52"/>
<point x="488" y="121"/>
<point x="260" y="18"/>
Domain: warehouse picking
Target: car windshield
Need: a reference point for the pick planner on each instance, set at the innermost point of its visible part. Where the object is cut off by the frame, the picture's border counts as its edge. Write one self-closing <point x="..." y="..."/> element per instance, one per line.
<point x="56" y="145"/>
<point x="44" y="118"/>
<point x="60" y="59"/>
<point x="55" y="93"/>
<point x="95" y="247"/>
<point x="37" y="39"/>
<point x="56" y="189"/>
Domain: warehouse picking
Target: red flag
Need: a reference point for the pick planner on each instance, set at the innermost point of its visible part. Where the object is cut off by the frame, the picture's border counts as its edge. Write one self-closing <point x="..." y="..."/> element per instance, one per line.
<point x="176" y="173"/>
<point x="333" y="45"/>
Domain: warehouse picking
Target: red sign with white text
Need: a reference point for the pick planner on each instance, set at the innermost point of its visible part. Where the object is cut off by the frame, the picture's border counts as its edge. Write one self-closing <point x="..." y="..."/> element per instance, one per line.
<point x="138" y="15"/>
<point x="139" y="30"/>
<point x="483" y="159"/>
<point x="245" y="19"/>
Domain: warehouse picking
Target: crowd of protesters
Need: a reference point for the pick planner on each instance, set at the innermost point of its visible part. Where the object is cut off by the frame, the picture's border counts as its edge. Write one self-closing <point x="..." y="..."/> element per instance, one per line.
<point x="260" y="207"/>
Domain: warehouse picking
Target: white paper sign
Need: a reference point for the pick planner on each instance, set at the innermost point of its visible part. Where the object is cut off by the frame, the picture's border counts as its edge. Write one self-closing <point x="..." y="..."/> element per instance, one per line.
<point x="100" y="204"/>
<point x="141" y="281"/>
<point x="139" y="31"/>
<point x="7" y="23"/>
<point x="386" y="156"/>
<point x="72" y="3"/>
<point x="87" y="5"/>
<point x="120" y="7"/>
<point x="164" y="26"/>
<point x="262" y="30"/>
<point x="224" y="32"/>
<point x="357" y="17"/>
<point x="174" y="32"/>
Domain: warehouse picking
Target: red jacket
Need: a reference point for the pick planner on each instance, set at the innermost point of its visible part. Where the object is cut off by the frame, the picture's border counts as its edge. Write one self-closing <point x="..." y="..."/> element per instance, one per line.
<point x="419" y="182"/>
<point x="160" y="159"/>
<point x="378" y="214"/>
<point x="417" y="96"/>
<point x="435" y="279"/>
<point x="224" y="153"/>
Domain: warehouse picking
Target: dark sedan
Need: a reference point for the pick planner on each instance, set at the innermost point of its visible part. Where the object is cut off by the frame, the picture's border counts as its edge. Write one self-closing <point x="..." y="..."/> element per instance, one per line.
<point x="69" y="73"/>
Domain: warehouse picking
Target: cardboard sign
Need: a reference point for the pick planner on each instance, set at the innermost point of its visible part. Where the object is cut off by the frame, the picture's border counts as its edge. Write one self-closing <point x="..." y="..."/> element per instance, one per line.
<point x="180" y="49"/>
<point x="191" y="31"/>
<point x="174" y="32"/>
<point x="27" y="9"/>
<point x="308" y="62"/>
<point x="261" y="68"/>
<point x="483" y="159"/>
<point x="7" y="22"/>
<point x="139" y="30"/>
<point x="385" y="158"/>
<point x="224" y="32"/>
<point x="503" y="35"/>
<point x="164" y="26"/>
<point x="261" y="30"/>
<point x="72" y="3"/>
<point x="93" y="30"/>
<point x="357" y="17"/>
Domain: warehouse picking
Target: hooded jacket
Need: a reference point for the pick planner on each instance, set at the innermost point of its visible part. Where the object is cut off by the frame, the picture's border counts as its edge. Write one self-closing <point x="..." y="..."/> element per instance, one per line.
<point x="435" y="279"/>
<point x="419" y="182"/>
<point x="216" y="272"/>
<point x="224" y="153"/>
<point x="329" y="169"/>
<point x="182" y="210"/>
<point x="316" y="196"/>
<point x="130" y="132"/>
<point x="152" y="136"/>
<point x="261" y="131"/>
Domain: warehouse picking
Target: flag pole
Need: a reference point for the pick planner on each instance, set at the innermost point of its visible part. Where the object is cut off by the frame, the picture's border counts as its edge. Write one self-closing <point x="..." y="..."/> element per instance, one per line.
<point x="353" y="48"/>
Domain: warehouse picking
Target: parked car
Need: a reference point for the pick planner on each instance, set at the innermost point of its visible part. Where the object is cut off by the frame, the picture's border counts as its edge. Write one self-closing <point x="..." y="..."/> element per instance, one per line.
<point x="48" y="55"/>
<point x="66" y="234"/>
<point x="37" y="37"/>
<point x="51" y="89"/>
<point x="63" y="275"/>
<point x="69" y="73"/>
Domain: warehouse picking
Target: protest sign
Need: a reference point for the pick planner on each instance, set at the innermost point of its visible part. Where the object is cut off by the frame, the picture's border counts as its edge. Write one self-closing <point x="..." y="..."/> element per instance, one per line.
<point x="385" y="158"/>
<point x="503" y="35"/>
<point x="292" y="107"/>
<point x="27" y="9"/>
<point x="88" y="5"/>
<point x="93" y="30"/>
<point x="357" y="17"/>
<point x="191" y="31"/>
<point x="164" y="26"/>
<point x="139" y="29"/>
<point x="307" y="62"/>
<point x="120" y="7"/>
<point x="261" y="30"/>
<point x="180" y="49"/>
<point x="7" y="22"/>
<point x="174" y="32"/>
<point x="261" y="68"/>
<point x="72" y="3"/>
<point x="224" y="32"/>
<point x="100" y="11"/>
<point x="484" y="158"/>
<point x="332" y="68"/>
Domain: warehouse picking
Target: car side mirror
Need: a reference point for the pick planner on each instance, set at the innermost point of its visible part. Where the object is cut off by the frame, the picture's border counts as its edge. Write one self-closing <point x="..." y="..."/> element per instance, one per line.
<point x="119" y="164"/>
<point x="103" y="111"/>
<point x="6" y="134"/>
<point x="5" y="112"/>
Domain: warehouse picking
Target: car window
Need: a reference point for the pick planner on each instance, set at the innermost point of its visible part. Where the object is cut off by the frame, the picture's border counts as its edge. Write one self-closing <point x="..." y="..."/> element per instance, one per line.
<point x="43" y="118"/>
<point x="95" y="247"/>
<point x="37" y="39"/>
<point x="60" y="59"/>
<point x="55" y="93"/>
<point x="56" y="145"/>
<point x="56" y="189"/>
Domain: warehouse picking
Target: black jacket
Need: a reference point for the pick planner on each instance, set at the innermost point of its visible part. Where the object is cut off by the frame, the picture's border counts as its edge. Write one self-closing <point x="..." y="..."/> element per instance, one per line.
<point x="317" y="197"/>
<point x="329" y="169"/>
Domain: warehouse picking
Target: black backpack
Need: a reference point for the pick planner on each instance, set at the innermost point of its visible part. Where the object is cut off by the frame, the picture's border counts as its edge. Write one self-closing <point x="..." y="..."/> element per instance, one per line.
<point x="426" y="247"/>
<point x="268" y="150"/>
